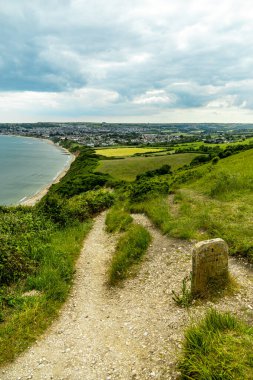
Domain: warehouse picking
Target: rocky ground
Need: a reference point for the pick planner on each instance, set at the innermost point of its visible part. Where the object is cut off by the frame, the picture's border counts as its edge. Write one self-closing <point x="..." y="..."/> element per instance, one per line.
<point x="132" y="332"/>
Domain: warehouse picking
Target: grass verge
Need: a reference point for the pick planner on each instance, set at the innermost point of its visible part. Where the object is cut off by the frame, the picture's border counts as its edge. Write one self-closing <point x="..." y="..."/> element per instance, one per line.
<point x="26" y="317"/>
<point x="218" y="348"/>
<point x="129" y="251"/>
<point x="117" y="219"/>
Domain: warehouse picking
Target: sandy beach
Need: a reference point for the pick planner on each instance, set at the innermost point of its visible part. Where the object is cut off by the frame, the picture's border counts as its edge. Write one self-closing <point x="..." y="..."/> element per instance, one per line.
<point x="32" y="200"/>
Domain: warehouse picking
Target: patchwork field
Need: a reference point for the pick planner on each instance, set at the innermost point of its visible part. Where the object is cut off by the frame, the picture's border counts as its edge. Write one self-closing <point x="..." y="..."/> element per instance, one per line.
<point x="128" y="168"/>
<point x="123" y="152"/>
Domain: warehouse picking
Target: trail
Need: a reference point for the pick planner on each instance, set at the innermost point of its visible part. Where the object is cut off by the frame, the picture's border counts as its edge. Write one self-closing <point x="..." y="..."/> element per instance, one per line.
<point x="133" y="332"/>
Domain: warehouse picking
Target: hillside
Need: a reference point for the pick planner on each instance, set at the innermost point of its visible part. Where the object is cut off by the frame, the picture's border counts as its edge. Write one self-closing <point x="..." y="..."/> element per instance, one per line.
<point x="189" y="204"/>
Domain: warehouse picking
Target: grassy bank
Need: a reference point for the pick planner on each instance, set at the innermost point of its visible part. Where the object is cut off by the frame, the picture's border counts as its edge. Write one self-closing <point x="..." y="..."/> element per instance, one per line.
<point x="29" y="305"/>
<point x="129" y="252"/>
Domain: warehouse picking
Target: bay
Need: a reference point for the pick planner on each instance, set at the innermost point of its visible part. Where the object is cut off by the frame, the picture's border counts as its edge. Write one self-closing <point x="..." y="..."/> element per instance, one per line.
<point x="27" y="165"/>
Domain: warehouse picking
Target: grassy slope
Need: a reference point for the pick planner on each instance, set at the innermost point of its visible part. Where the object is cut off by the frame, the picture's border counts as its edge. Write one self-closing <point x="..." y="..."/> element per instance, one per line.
<point x="220" y="203"/>
<point x="210" y="201"/>
<point x="127" y="169"/>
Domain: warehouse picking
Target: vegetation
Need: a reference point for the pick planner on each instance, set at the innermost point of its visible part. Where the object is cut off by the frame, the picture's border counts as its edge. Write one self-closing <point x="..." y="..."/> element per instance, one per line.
<point x="128" y="168"/>
<point x="39" y="247"/>
<point x="129" y="251"/>
<point x="219" y="347"/>
<point x="117" y="219"/>
<point x="81" y="176"/>
<point x="209" y="201"/>
<point x="185" y="298"/>
<point x="123" y="152"/>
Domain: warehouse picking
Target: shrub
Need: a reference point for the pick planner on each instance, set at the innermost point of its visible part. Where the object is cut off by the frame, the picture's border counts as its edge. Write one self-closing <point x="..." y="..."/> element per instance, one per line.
<point x="148" y="187"/>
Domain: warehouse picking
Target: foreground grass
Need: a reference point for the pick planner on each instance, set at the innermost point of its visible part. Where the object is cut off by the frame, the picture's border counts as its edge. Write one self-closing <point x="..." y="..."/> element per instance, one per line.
<point x="219" y="347"/>
<point x="26" y="317"/>
<point x="128" y="168"/>
<point x="129" y="251"/>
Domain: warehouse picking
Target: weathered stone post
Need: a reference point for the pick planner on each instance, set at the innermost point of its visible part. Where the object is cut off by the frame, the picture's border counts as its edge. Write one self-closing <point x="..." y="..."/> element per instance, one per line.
<point x="209" y="266"/>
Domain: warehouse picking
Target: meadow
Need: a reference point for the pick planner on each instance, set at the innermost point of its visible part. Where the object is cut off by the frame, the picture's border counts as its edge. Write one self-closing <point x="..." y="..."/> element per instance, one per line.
<point x="128" y="168"/>
<point x="124" y="152"/>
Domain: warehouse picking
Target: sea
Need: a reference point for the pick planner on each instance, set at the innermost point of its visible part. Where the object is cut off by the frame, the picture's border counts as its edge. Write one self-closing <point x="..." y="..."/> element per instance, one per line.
<point x="27" y="165"/>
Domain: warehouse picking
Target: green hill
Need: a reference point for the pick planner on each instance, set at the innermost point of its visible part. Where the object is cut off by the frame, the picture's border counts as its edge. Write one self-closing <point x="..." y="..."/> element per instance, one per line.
<point x="209" y="201"/>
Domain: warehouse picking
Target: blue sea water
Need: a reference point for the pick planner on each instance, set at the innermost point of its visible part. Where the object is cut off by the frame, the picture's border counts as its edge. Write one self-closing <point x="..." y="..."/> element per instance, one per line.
<point x="27" y="165"/>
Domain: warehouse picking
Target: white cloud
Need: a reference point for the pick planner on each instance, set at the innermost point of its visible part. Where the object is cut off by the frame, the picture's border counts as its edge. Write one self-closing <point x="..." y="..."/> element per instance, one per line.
<point x="113" y="58"/>
<point x="154" y="97"/>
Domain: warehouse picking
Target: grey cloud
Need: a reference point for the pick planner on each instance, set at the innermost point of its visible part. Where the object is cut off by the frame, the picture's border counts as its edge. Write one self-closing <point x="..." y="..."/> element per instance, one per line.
<point x="129" y="48"/>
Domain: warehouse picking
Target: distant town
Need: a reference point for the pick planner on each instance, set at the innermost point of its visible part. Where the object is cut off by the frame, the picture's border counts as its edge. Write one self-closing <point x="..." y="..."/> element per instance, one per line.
<point x="110" y="134"/>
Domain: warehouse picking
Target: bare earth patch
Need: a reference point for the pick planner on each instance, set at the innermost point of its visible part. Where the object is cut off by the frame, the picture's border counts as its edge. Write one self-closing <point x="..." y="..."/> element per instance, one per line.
<point x="133" y="332"/>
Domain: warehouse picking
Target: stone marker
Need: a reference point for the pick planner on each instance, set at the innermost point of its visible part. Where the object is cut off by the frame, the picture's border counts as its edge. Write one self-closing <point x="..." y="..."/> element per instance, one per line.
<point x="209" y="265"/>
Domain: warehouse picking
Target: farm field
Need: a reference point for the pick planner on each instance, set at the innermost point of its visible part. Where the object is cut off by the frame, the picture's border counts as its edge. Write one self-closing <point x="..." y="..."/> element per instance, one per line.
<point x="197" y="144"/>
<point x="128" y="168"/>
<point x="123" y="152"/>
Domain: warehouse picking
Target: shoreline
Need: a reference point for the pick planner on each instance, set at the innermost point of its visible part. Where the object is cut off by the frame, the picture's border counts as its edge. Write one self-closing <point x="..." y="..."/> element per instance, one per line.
<point x="33" y="199"/>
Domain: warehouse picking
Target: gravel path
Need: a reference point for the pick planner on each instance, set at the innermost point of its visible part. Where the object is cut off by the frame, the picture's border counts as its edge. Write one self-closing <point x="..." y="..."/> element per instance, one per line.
<point x="133" y="332"/>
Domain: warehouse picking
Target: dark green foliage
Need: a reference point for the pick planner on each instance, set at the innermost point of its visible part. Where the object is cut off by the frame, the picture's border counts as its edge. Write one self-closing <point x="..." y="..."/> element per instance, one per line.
<point x="54" y="208"/>
<point x="218" y="348"/>
<point x="165" y="169"/>
<point x="85" y="205"/>
<point x="147" y="187"/>
<point x="215" y="160"/>
<point x="64" y="212"/>
<point x="201" y="159"/>
<point x="80" y="177"/>
<point x="22" y="232"/>
<point x="130" y="249"/>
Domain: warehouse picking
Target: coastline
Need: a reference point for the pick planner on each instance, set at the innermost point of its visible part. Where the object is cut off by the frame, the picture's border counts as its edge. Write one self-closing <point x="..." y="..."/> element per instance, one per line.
<point x="33" y="199"/>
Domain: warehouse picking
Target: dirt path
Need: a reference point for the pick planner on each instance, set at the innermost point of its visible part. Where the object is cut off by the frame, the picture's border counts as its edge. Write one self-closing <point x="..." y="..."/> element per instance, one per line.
<point x="133" y="332"/>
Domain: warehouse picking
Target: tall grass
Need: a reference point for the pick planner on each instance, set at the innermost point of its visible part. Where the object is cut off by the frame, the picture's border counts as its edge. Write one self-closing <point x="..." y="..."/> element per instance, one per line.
<point x="129" y="251"/>
<point x="218" y="348"/>
<point x="117" y="219"/>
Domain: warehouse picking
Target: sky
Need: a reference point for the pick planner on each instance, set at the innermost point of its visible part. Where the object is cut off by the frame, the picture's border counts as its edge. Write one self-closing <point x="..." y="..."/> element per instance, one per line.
<point x="126" y="61"/>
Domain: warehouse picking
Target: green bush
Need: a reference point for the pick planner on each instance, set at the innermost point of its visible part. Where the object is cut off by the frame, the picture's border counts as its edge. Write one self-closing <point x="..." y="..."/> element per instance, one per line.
<point x="23" y="233"/>
<point x="85" y="205"/>
<point x="129" y="251"/>
<point x="80" y="177"/>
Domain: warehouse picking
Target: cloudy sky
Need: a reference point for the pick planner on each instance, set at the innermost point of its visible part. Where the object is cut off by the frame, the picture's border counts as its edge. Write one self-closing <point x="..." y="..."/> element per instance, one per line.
<point x="128" y="61"/>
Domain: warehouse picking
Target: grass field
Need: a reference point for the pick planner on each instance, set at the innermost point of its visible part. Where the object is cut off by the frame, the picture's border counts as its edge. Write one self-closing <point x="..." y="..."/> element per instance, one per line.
<point x="127" y="169"/>
<point x="124" y="152"/>
<point x="197" y="144"/>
